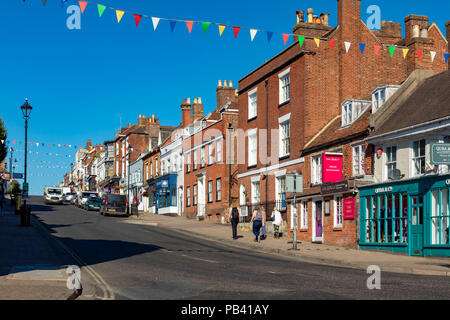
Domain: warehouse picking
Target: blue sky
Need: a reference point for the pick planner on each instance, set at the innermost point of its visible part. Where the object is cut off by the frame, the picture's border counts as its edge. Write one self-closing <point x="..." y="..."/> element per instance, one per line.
<point x="80" y="81"/>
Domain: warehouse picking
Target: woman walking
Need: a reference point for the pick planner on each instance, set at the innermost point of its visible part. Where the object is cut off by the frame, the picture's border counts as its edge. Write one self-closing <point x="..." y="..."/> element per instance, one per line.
<point x="258" y="221"/>
<point x="233" y="216"/>
<point x="277" y="222"/>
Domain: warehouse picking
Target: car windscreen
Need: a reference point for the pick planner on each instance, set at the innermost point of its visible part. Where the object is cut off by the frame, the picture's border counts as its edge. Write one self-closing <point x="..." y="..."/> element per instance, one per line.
<point x="54" y="191"/>
<point x="116" y="198"/>
<point x="88" y="194"/>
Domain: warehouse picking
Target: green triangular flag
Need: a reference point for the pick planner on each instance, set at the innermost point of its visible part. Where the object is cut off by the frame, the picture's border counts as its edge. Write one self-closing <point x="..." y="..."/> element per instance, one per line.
<point x="101" y="9"/>
<point x="205" y="26"/>
<point x="301" y="39"/>
<point x="391" y="50"/>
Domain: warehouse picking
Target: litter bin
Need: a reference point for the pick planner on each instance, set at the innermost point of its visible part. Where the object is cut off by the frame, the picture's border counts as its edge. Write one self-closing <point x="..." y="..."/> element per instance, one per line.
<point x="134" y="209"/>
<point x="18" y="204"/>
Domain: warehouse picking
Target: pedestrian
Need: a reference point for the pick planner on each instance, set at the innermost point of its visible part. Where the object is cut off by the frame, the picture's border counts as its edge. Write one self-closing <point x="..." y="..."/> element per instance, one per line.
<point x="234" y="212"/>
<point x="257" y="220"/>
<point x="263" y="227"/>
<point x="277" y="222"/>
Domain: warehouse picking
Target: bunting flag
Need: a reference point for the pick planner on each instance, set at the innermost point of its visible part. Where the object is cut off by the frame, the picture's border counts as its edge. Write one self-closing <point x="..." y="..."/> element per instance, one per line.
<point x="155" y="22"/>
<point x="83" y="5"/>
<point x="405" y="53"/>
<point x="391" y="51"/>
<point x="253" y="33"/>
<point x="285" y="38"/>
<point x="433" y="55"/>
<point x="236" y="31"/>
<point x="446" y="55"/>
<point x="101" y="9"/>
<point x="172" y="25"/>
<point x="221" y="29"/>
<point x="317" y="41"/>
<point x="332" y="44"/>
<point x="269" y="36"/>
<point x="419" y="53"/>
<point x="362" y="46"/>
<point x="119" y="15"/>
<point x="301" y="40"/>
<point x="189" y="25"/>
<point x="377" y="49"/>
<point x="205" y="26"/>
<point x="347" y="45"/>
<point x="137" y="19"/>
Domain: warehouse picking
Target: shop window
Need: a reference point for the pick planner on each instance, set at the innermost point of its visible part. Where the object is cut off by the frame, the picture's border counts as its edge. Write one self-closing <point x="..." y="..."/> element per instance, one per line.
<point x="304" y="215"/>
<point x="440" y="217"/>
<point x="338" y="212"/>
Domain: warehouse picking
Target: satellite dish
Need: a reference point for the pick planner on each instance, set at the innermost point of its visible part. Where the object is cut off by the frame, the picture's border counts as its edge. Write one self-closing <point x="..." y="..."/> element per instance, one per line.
<point x="395" y="174"/>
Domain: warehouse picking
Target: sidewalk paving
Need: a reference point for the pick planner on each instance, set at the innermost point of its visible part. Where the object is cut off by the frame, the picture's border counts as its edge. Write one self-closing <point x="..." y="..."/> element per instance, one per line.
<point x="308" y="252"/>
<point x="31" y="266"/>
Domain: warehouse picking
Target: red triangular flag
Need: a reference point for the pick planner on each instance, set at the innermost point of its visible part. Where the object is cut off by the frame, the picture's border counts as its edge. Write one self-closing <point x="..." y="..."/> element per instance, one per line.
<point x="137" y="18"/>
<point x="189" y="25"/>
<point x="377" y="49"/>
<point x="332" y="44"/>
<point x="285" y="38"/>
<point x="83" y="5"/>
<point x="236" y="31"/>
<point x="419" y="53"/>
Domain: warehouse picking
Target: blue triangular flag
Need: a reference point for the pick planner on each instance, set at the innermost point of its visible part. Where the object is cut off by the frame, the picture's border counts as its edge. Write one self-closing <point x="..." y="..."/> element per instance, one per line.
<point x="362" y="46"/>
<point x="269" y="36"/>
<point x="172" y="25"/>
<point x="446" y="56"/>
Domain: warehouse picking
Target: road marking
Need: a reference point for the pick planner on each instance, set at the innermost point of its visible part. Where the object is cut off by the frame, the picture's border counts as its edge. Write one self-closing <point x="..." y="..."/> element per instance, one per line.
<point x="195" y="258"/>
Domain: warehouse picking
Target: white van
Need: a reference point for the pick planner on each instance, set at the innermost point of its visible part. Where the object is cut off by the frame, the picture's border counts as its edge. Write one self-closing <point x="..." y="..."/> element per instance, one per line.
<point x="53" y="195"/>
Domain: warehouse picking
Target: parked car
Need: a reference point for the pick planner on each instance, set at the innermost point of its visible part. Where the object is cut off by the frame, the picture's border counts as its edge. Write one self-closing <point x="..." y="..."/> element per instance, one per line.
<point x="53" y="195"/>
<point x="69" y="196"/>
<point x="84" y="196"/>
<point x="114" y="204"/>
<point x="93" y="203"/>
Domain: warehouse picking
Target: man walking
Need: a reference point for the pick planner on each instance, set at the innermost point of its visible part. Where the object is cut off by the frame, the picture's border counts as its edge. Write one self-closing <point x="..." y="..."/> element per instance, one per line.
<point x="233" y="216"/>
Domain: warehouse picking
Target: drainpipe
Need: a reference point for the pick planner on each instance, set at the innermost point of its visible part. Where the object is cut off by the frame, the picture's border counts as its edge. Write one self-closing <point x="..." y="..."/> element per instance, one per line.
<point x="266" y="82"/>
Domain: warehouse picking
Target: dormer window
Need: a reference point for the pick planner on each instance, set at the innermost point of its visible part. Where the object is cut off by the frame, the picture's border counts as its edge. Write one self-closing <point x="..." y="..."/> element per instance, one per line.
<point x="381" y="94"/>
<point x="352" y="109"/>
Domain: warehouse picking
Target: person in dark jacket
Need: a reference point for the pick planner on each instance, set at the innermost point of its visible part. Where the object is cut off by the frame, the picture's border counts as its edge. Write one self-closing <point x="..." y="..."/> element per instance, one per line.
<point x="234" y="212"/>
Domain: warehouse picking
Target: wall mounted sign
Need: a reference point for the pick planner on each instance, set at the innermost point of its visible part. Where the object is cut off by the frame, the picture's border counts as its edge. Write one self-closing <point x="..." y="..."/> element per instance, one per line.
<point x="383" y="190"/>
<point x="349" y="208"/>
<point x="440" y="153"/>
<point x="331" y="167"/>
<point x="336" y="187"/>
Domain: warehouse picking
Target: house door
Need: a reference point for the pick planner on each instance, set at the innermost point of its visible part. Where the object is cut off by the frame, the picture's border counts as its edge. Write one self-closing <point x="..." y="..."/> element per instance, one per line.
<point x="317" y="221"/>
<point x="416" y="223"/>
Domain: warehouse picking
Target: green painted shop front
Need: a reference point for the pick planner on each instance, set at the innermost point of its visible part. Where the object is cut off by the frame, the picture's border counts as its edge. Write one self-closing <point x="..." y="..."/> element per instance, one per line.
<point x="409" y="216"/>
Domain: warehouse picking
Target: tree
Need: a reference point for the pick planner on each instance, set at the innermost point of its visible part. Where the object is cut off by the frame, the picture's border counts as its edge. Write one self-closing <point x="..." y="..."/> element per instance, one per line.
<point x="3" y="151"/>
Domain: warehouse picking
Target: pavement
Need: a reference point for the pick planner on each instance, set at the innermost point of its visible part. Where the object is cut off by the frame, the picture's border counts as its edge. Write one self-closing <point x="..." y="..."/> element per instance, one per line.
<point x="32" y="266"/>
<point x="307" y="252"/>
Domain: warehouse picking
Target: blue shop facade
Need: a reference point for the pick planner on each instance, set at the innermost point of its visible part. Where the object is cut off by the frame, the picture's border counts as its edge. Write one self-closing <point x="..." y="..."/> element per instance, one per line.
<point x="408" y="216"/>
<point x="163" y="193"/>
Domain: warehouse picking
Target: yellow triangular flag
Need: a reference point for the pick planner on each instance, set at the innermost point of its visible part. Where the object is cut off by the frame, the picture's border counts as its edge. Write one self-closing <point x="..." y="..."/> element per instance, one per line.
<point x="317" y="40"/>
<point x="405" y="52"/>
<point x="221" y="28"/>
<point x="119" y="14"/>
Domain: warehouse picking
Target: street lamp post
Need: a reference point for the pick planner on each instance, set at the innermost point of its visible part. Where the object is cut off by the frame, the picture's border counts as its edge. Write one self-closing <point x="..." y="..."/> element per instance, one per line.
<point x="128" y="182"/>
<point x="26" y="111"/>
<point x="230" y="176"/>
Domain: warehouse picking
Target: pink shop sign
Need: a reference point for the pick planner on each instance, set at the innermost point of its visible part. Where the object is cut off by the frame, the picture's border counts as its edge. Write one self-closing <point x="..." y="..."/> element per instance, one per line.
<point x="349" y="208"/>
<point x="331" y="167"/>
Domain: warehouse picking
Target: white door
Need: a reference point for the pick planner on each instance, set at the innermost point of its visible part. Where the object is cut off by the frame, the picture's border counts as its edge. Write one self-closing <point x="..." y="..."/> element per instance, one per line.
<point x="317" y="221"/>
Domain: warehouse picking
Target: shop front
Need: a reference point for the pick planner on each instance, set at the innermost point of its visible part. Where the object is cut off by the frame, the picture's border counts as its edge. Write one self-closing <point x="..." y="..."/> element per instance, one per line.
<point x="409" y="216"/>
<point x="165" y="194"/>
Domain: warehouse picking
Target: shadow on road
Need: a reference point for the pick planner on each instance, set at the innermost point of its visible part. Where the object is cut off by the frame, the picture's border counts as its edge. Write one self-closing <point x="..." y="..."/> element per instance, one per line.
<point x="41" y="208"/>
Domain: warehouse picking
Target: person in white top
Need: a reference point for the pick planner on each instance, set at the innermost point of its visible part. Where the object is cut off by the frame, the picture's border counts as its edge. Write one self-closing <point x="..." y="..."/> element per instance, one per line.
<point x="277" y="222"/>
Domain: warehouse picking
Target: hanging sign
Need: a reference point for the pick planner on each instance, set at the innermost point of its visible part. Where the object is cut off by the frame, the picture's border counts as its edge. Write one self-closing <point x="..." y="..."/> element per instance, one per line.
<point x="440" y="153"/>
<point x="331" y="167"/>
<point x="349" y="208"/>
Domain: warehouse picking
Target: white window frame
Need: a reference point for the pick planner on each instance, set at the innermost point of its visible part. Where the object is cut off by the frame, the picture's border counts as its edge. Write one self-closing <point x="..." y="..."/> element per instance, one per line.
<point x="347" y="113"/>
<point x="210" y="191"/>
<point x="188" y="162"/>
<point x="202" y="157"/>
<point x="336" y="223"/>
<point x="278" y="190"/>
<point x="218" y="189"/>
<point x="284" y="88"/>
<point x="253" y="103"/>
<point x="188" y="196"/>
<point x="361" y="159"/>
<point x="385" y="160"/>
<point x="210" y="154"/>
<point x="256" y="192"/>
<point x="195" y="194"/>
<point x="252" y="149"/>
<point x="195" y="159"/>
<point x="316" y="169"/>
<point x="414" y="159"/>
<point x="219" y="151"/>
<point x="304" y="215"/>
<point x="284" y="150"/>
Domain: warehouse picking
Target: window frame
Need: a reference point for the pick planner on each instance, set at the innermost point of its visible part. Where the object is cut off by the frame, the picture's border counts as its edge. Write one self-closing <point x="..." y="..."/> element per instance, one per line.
<point x="361" y="159"/>
<point x="188" y="196"/>
<point x="194" y="195"/>
<point x="284" y="150"/>
<point x="218" y="189"/>
<point x="284" y="87"/>
<point x="336" y="206"/>
<point x="420" y="157"/>
<point x="316" y="169"/>
<point x="304" y="215"/>
<point x="210" y="191"/>
<point x="252" y="150"/>
<point x="386" y="162"/>
<point x="253" y="105"/>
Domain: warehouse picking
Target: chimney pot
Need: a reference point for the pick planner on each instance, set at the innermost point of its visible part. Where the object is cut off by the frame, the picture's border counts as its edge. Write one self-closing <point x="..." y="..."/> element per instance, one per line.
<point x="195" y="100"/>
<point x="231" y="83"/>
<point x="424" y="33"/>
<point x="310" y="12"/>
<point x="189" y="100"/>
<point x="220" y="83"/>
<point x="300" y="16"/>
<point x="416" y="31"/>
<point x="199" y="100"/>
<point x="225" y="83"/>
<point x="184" y="100"/>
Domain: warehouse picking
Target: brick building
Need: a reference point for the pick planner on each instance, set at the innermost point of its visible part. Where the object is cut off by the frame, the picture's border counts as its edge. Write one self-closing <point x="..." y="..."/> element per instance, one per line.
<point x="295" y="94"/>
<point x="209" y="180"/>
<point x="151" y="171"/>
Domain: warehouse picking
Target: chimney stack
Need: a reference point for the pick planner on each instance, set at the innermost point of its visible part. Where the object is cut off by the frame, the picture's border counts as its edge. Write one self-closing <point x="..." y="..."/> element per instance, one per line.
<point x="141" y="121"/>
<point x="416" y="38"/>
<point x="349" y="16"/>
<point x="225" y="94"/>
<point x="186" y="113"/>
<point x="197" y="109"/>
<point x="313" y="26"/>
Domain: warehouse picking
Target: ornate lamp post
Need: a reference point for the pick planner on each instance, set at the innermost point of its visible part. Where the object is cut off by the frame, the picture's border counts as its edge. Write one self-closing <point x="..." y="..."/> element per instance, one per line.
<point x="26" y="111"/>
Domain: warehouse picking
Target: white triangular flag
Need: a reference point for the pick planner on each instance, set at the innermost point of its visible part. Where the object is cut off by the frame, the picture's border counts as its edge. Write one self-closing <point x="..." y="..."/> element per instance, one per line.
<point x="37" y="144"/>
<point x="253" y="33"/>
<point x="347" y="46"/>
<point x="3" y="141"/>
<point x="155" y="22"/>
<point x="433" y="55"/>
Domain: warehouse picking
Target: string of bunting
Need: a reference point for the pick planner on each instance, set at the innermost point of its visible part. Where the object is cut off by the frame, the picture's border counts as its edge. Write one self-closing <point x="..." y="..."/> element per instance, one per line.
<point x="253" y="31"/>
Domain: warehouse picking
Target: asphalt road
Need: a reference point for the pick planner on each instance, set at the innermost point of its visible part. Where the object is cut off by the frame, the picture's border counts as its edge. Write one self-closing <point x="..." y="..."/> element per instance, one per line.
<point x="146" y="262"/>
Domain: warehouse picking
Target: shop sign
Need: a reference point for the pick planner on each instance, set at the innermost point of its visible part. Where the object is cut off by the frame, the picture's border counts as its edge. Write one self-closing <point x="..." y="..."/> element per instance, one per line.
<point x="331" y="167"/>
<point x="383" y="190"/>
<point x="440" y="153"/>
<point x="336" y="187"/>
<point x="349" y="208"/>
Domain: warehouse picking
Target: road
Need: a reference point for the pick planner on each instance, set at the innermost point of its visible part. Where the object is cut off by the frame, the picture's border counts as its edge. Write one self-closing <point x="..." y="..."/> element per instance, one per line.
<point x="149" y="262"/>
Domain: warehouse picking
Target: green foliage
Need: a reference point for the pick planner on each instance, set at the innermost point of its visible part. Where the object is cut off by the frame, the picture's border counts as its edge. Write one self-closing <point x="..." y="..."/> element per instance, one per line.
<point x="15" y="188"/>
<point x="3" y="151"/>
